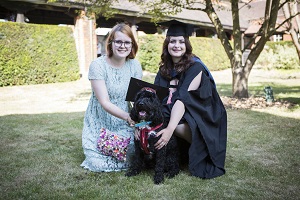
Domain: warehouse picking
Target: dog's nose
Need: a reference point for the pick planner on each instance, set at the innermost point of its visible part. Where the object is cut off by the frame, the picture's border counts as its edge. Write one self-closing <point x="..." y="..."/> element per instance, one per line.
<point x="140" y="104"/>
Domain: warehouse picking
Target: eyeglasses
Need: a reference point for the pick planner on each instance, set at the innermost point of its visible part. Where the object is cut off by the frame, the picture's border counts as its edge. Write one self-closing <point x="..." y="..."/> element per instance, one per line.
<point x="119" y="43"/>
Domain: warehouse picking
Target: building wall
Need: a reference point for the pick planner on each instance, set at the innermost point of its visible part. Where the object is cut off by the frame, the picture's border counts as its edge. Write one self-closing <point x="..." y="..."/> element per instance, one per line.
<point x="287" y="37"/>
<point x="86" y="42"/>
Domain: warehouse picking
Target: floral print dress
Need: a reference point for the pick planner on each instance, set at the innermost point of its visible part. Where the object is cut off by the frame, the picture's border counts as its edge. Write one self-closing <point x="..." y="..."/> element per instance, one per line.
<point x="117" y="81"/>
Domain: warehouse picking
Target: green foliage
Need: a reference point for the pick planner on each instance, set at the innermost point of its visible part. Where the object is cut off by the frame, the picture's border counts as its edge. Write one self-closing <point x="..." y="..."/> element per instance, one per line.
<point x="35" y="54"/>
<point x="279" y="55"/>
<point x="209" y="50"/>
<point x="150" y="48"/>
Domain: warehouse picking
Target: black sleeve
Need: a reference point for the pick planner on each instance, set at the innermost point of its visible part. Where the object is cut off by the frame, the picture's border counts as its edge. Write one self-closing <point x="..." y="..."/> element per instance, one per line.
<point x="188" y="77"/>
<point x="159" y="80"/>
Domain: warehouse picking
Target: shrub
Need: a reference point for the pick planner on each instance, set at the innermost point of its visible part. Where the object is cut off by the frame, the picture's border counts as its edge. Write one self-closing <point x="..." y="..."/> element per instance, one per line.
<point x="35" y="54"/>
<point x="211" y="52"/>
<point x="150" y="47"/>
<point x="278" y="55"/>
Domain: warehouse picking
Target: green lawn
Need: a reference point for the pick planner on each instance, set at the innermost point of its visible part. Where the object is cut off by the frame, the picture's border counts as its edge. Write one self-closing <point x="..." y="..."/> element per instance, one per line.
<point x="41" y="154"/>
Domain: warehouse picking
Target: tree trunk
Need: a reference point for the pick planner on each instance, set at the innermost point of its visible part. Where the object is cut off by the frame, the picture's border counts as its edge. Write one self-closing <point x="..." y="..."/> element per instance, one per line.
<point x="240" y="80"/>
<point x="296" y="42"/>
<point x="239" y="77"/>
<point x="239" y="73"/>
<point x="295" y="26"/>
<point x="290" y="9"/>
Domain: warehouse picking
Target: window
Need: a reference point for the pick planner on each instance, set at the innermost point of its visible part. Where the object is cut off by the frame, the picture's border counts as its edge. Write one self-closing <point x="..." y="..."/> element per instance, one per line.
<point x="277" y="37"/>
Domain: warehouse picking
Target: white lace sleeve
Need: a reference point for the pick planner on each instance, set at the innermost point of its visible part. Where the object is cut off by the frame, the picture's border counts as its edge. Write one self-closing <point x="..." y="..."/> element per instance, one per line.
<point x="138" y="72"/>
<point x="97" y="70"/>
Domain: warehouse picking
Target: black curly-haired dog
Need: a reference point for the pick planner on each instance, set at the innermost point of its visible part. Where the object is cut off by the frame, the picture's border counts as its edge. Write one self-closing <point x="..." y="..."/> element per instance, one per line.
<point x="147" y="112"/>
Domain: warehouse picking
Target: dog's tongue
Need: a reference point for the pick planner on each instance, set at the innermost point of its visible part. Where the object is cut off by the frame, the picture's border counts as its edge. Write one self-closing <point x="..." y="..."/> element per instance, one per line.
<point x="142" y="113"/>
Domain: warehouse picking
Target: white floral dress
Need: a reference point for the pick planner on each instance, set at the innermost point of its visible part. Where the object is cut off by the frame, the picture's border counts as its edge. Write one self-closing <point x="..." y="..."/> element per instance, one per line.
<point x="117" y="81"/>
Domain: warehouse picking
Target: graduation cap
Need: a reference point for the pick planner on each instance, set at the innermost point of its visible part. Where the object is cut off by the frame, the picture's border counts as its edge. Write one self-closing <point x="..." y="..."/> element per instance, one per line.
<point x="135" y="85"/>
<point x="178" y="28"/>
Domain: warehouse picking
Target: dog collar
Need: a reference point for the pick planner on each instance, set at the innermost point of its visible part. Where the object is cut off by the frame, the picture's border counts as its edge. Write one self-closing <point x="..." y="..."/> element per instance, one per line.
<point x="144" y="136"/>
<point x="142" y="124"/>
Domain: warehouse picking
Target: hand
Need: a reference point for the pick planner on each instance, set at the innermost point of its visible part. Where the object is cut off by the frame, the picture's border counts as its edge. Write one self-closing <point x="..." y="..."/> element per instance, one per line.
<point x="165" y="137"/>
<point x="136" y="134"/>
<point x="130" y="121"/>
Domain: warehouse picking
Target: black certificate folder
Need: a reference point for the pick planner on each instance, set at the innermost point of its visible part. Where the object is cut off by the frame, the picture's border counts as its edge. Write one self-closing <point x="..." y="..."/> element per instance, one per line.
<point x="135" y="85"/>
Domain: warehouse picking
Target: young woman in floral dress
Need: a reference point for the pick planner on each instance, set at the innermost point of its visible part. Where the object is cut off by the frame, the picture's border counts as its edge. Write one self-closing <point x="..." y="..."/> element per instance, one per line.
<point x="109" y="76"/>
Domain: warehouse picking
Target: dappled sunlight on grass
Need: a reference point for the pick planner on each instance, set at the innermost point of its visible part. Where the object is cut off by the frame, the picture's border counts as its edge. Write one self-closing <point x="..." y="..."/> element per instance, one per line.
<point x="42" y="152"/>
<point x="282" y="112"/>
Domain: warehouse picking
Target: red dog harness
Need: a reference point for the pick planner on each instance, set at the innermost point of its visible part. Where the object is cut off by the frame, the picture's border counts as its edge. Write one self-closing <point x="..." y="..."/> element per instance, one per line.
<point x="144" y="136"/>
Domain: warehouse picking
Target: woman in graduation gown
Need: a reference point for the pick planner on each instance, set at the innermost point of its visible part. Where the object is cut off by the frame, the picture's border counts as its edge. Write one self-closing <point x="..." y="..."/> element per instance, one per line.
<point x="193" y="109"/>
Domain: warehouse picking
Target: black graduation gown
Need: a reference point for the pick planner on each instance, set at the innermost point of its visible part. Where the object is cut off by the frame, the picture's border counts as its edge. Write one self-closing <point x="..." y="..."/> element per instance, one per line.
<point x="207" y="118"/>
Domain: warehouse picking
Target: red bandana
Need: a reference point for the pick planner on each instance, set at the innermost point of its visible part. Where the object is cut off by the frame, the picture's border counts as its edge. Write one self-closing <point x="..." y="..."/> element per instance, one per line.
<point x="149" y="89"/>
<point x="144" y="136"/>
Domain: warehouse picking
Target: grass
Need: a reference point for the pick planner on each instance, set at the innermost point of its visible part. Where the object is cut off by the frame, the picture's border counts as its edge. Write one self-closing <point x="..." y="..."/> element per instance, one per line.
<point x="41" y="154"/>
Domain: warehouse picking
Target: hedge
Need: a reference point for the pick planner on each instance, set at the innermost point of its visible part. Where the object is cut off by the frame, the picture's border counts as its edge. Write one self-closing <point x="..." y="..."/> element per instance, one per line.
<point x="36" y="54"/>
<point x="279" y="55"/>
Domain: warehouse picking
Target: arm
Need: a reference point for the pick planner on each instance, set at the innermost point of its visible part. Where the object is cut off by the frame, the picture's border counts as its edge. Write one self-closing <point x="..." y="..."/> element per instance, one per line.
<point x="192" y="82"/>
<point x="178" y="108"/>
<point x="100" y="90"/>
<point x="176" y="114"/>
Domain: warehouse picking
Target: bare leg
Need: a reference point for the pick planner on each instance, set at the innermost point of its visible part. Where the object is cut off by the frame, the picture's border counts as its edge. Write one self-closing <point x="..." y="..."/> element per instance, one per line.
<point x="184" y="131"/>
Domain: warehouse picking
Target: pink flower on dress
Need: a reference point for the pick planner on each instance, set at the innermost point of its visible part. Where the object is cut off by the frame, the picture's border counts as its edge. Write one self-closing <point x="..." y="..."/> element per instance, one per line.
<point x="111" y="144"/>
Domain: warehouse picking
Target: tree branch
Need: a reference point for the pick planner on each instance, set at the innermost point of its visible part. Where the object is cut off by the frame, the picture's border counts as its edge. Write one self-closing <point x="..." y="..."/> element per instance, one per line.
<point x="246" y="4"/>
<point x="286" y="20"/>
<point x="281" y="5"/>
<point x="210" y="11"/>
<point x="254" y="37"/>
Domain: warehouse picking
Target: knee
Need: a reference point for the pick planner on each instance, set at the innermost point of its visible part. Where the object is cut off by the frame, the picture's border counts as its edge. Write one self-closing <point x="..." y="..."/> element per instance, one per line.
<point x="183" y="131"/>
<point x="179" y="132"/>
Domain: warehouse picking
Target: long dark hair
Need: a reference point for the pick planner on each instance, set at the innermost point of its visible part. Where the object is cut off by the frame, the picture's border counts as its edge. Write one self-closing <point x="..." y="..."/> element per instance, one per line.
<point x="166" y="63"/>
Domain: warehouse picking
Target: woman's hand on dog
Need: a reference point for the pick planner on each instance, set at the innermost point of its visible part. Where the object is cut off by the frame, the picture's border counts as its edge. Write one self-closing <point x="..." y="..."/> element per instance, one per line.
<point x="136" y="134"/>
<point x="165" y="137"/>
<point x="130" y="121"/>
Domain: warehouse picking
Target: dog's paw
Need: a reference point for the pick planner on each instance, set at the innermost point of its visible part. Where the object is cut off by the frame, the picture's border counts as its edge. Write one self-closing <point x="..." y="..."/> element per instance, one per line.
<point x="172" y="173"/>
<point x="158" y="179"/>
<point x="132" y="173"/>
